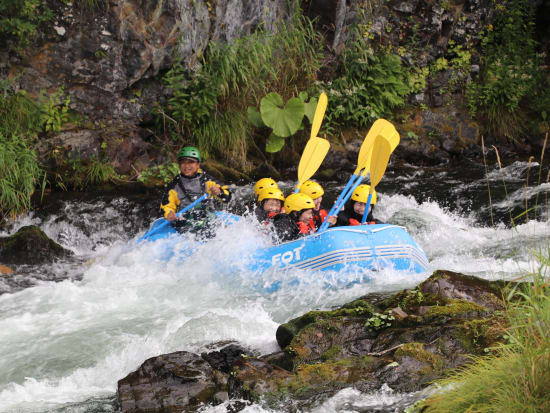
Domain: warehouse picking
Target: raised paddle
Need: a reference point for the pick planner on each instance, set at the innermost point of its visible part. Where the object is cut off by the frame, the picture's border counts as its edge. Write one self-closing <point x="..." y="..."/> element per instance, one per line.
<point x="391" y="135"/>
<point x="161" y="223"/>
<point x="380" y="127"/>
<point x="382" y="150"/>
<point x="314" y="153"/>
<point x="319" y="115"/>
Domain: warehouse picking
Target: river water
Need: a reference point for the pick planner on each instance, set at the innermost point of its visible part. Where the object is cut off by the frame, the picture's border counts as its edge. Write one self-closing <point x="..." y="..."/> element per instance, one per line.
<point x="70" y="330"/>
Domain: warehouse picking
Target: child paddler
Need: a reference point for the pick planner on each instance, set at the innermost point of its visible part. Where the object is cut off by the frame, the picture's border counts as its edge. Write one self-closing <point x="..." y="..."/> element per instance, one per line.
<point x="270" y="202"/>
<point x="191" y="183"/>
<point x="315" y="191"/>
<point x="297" y="221"/>
<point x="355" y="207"/>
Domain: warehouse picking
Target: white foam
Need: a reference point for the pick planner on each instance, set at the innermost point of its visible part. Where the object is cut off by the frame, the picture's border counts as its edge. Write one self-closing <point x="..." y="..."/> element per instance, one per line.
<point x="70" y="341"/>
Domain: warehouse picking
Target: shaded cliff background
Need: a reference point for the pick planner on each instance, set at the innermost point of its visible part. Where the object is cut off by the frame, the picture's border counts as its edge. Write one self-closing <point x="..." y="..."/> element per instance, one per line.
<point x="104" y="92"/>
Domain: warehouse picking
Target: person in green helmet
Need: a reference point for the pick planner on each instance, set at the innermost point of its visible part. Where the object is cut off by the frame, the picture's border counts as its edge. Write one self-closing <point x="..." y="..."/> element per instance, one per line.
<point x="191" y="183"/>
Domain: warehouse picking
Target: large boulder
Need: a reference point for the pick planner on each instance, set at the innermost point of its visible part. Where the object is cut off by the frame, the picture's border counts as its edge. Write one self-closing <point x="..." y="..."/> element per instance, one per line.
<point x="30" y="245"/>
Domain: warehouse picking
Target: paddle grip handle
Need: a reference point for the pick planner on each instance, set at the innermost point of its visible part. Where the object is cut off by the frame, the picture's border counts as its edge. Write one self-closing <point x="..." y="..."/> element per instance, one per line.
<point x="367" y="207"/>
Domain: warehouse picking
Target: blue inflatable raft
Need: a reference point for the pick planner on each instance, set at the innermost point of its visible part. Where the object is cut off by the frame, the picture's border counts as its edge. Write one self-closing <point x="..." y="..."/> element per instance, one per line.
<point x="371" y="247"/>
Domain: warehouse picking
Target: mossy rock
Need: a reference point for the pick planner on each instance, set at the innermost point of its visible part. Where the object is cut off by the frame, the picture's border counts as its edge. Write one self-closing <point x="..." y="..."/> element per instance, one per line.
<point x="452" y="310"/>
<point x="418" y="352"/>
<point x="30" y="245"/>
<point x="287" y="331"/>
<point x="477" y="335"/>
<point x="315" y="378"/>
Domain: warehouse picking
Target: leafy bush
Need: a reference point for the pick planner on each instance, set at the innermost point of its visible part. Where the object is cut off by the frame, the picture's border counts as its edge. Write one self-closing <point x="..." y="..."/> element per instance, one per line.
<point x="55" y="111"/>
<point x="371" y="85"/>
<point x="19" y="174"/>
<point x="159" y="174"/>
<point x="231" y="77"/>
<point x="512" y="82"/>
<point x="21" y="19"/>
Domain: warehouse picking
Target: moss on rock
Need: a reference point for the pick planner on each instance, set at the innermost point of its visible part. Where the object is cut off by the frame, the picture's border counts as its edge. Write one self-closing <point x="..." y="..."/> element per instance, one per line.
<point x="454" y="309"/>
<point x="30" y="245"/>
<point x="418" y="352"/>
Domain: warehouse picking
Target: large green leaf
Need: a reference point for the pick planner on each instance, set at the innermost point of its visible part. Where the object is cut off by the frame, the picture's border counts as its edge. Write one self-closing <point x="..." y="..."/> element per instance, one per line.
<point x="309" y="108"/>
<point x="274" y="144"/>
<point x="255" y="117"/>
<point x="284" y="121"/>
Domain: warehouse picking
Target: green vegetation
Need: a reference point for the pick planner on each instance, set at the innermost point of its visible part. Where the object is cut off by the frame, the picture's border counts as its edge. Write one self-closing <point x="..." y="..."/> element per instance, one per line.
<point x="284" y="119"/>
<point x="372" y="83"/>
<point x="19" y="174"/>
<point x="379" y="322"/>
<point x="512" y="85"/>
<point x="516" y="377"/>
<point x="208" y="107"/>
<point x="19" y="114"/>
<point x="20" y="121"/>
<point x="55" y="111"/>
<point x="20" y="21"/>
<point x="161" y="174"/>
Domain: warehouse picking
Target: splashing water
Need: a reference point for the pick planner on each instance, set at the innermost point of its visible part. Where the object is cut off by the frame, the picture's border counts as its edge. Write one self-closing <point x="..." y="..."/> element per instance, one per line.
<point x="66" y="343"/>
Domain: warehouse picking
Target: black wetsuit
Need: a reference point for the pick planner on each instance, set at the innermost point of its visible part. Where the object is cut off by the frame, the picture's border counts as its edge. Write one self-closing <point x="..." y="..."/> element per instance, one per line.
<point x="349" y="217"/>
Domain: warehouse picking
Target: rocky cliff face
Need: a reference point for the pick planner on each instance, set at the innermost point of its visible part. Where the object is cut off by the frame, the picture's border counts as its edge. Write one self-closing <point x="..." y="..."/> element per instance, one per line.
<point x="98" y="56"/>
<point x="110" y="59"/>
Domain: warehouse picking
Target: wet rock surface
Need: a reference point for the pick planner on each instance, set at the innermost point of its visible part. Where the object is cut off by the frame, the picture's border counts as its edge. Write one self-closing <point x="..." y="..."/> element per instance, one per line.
<point x="405" y="340"/>
<point x="30" y="245"/>
<point x="179" y="381"/>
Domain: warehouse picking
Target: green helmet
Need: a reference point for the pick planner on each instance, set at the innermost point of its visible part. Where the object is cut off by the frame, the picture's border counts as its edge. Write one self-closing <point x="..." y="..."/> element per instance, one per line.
<point x="189" y="152"/>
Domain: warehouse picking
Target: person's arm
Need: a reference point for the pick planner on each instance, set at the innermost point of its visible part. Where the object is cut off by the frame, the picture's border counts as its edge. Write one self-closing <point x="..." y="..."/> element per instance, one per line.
<point x="170" y="202"/>
<point x="285" y="228"/>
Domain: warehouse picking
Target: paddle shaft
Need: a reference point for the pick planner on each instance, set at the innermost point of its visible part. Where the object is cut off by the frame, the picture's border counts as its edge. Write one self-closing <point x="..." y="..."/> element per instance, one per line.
<point x="343" y="198"/>
<point x="367" y="207"/>
<point x="337" y="203"/>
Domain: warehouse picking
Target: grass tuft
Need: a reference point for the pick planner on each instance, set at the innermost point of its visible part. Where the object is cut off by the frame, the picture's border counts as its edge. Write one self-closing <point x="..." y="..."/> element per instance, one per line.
<point x="19" y="175"/>
<point x="516" y="378"/>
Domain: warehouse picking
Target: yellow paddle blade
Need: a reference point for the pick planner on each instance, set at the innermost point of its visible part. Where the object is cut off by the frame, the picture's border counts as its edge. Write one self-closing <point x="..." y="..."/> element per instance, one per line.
<point x="394" y="140"/>
<point x="381" y="152"/>
<point x="314" y="153"/>
<point x="319" y="115"/>
<point x="388" y="131"/>
<point x="380" y="126"/>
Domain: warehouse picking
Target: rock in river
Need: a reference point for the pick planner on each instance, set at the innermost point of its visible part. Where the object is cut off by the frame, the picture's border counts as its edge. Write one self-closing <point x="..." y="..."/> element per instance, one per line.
<point x="30" y="245"/>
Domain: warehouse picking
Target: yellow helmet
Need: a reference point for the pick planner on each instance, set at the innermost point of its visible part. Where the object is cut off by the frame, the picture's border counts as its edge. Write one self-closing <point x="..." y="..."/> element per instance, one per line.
<point x="298" y="202"/>
<point x="312" y="188"/>
<point x="361" y="194"/>
<point x="270" y="193"/>
<point x="264" y="183"/>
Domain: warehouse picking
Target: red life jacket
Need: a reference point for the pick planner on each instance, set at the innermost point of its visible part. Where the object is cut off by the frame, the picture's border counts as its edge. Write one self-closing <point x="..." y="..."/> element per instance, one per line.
<point x="318" y="218"/>
<point x="305" y="228"/>
<point x="270" y="216"/>
<point x="353" y="221"/>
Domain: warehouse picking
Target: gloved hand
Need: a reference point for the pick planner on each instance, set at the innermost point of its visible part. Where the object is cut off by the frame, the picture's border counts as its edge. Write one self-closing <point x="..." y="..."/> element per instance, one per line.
<point x="213" y="188"/>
